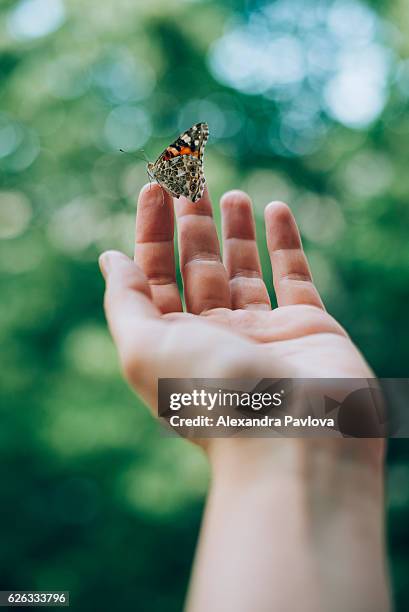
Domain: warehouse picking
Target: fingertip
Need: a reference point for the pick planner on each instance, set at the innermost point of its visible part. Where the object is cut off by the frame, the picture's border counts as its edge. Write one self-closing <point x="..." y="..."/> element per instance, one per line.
<point x="150" y="186"/>
<point x="235" y="198"/>
<point x="122" y="274"/>
<point x="281" y="227"/>
<point x="109" y="259"/>
<point x="237" y="215"/>
<point x="145" y="187"/>
<point x="277" y="210"/>
<point x="152" y="194"/>
<point x="102" y="262"/>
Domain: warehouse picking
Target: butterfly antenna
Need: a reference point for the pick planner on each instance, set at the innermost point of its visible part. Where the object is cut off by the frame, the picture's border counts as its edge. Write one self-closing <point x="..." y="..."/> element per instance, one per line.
<point x="144" y="158"/>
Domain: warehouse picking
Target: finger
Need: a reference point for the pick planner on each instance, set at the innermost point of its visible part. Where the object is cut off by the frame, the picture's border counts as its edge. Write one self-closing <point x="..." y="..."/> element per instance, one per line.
<point x="133" y="318"/>
<point x="154" y="249"/>
<point x="240" y="253"/>
<point x="205" y="279"/>
<point x="291" y="274"/>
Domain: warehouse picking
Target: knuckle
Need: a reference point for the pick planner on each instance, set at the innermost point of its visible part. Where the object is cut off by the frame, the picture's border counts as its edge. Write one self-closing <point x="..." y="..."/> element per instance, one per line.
<point x="303" y="277"/>
<point x="132" y="278"/>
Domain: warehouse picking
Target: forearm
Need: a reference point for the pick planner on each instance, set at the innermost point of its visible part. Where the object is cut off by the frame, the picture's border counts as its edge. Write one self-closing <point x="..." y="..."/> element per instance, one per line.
<point x="299" y="526"/>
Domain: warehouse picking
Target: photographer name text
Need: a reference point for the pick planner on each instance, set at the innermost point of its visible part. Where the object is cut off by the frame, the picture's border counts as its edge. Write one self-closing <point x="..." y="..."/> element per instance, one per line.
<point x="227" y="421"/>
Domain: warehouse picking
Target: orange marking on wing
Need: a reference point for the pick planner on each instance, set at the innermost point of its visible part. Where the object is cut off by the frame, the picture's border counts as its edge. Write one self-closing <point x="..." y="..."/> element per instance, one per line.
<point x="172" y="152"/>
<point x="188" y="151"/>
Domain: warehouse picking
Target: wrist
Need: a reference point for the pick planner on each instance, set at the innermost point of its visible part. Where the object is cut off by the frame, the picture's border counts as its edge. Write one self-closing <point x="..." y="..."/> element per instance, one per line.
<point x="353" y="464"/>
<point x="324" y="505"/>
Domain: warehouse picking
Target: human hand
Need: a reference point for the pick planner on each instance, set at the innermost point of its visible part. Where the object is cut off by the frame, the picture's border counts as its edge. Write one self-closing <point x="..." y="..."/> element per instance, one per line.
<point x="229" y="329"/>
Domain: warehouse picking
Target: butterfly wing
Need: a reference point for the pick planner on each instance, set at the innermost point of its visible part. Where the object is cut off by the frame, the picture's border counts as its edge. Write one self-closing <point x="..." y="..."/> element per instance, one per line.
<point x="179" y="169"/>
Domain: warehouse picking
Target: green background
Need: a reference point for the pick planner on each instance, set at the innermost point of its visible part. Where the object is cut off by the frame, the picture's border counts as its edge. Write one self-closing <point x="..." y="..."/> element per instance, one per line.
<point x="307" y="102"/>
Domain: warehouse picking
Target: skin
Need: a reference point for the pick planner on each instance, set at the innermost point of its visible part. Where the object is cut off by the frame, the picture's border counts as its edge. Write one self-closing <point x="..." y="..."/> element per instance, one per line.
<point x="326" y="495"/>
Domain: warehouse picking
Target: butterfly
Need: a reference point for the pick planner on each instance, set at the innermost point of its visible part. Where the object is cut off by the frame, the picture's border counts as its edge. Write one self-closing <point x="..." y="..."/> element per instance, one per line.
<point x="179" y="169"/>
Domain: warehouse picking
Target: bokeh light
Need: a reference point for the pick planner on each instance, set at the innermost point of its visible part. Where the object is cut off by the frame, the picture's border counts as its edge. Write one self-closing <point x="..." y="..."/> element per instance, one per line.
<point x="35" y="18"/>
<point x="89" y="349"/>
<point x="127" y="127"/>
<point x="123" y="78"/>
<point x="356" y="95"/>
<point x="10" y="136"/>
<point x="74" y="227"/>
<point x="312" y="45"/>
<point x="15" y="213"/>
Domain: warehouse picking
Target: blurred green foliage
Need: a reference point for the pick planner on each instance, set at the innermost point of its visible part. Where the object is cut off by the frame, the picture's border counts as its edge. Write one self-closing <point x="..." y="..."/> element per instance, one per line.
<point x="307" y="102"/>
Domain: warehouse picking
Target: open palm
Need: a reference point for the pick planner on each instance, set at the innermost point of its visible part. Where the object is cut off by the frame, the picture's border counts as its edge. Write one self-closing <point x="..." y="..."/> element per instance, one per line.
<point x="229" y="328"/>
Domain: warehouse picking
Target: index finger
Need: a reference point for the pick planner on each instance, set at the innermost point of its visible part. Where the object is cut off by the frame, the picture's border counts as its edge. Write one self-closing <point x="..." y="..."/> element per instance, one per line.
<point x="154" y="248"/>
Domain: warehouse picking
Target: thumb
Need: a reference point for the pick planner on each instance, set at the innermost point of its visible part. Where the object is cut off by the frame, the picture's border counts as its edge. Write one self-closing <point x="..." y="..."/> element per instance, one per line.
<point x="128" y="305"/>
<point x="123" y="277"/>
<point x="114" y="263"/>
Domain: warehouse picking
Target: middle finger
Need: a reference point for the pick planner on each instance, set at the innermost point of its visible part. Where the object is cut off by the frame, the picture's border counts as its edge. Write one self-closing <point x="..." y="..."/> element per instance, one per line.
<point x="205" y="281"/>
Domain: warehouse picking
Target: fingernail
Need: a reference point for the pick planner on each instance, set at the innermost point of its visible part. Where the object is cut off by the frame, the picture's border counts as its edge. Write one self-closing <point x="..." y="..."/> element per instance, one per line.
<point x="110" y="261"/>
<point x="103" y="261"/>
